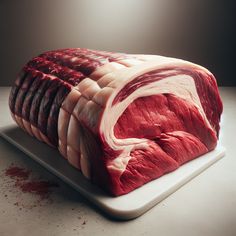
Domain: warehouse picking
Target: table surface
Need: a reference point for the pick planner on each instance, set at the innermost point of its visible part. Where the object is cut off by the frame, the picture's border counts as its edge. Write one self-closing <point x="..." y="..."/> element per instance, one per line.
<point x="204" y="206"/>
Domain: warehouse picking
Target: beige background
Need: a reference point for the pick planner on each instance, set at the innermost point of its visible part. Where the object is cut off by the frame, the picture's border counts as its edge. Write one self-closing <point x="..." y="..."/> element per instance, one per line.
<point x="200" y="31"/>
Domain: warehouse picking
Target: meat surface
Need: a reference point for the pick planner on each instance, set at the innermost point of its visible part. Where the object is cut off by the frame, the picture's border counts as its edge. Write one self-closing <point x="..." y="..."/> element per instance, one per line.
<point x="121" y="119"/>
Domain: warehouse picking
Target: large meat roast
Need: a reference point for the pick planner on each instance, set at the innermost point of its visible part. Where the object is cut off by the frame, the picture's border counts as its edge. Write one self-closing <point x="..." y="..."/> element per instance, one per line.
<point x="121" y="119"/>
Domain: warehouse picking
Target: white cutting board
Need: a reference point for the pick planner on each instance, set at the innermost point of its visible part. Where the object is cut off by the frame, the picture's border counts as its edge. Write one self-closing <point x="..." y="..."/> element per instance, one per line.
<point x="124" y="207"/>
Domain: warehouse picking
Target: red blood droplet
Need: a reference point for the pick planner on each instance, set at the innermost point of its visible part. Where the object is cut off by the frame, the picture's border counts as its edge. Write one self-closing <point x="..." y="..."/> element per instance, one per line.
<point x="17" y="172"/>
<point x="42" y="188"/>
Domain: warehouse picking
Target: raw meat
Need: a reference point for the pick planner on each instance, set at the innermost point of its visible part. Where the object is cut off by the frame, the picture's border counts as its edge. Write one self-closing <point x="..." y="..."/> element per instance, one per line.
<point x="123" y="120"/>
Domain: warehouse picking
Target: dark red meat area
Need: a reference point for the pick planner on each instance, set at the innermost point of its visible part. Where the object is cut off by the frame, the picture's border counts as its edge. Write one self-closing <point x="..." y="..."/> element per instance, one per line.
<point x="176" y="131"/>
<point x="162" y="156"/>
<point x="150" y="117"/>
<point x="36" y="99"/>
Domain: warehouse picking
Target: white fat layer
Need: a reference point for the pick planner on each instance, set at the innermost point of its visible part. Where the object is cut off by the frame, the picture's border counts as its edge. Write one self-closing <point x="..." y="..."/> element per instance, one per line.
<point x="182" y="86"/>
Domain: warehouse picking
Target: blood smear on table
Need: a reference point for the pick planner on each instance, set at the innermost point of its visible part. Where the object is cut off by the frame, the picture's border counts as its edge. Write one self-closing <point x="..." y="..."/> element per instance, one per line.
<point x="22" y="179"/>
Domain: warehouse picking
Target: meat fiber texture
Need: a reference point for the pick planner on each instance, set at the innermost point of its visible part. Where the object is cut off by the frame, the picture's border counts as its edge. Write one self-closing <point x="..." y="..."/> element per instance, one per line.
<point x="121" y="119"/>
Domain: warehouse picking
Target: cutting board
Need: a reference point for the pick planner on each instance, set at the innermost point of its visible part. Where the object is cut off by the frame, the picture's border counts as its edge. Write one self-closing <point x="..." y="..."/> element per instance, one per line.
<point x="124" y="207"/>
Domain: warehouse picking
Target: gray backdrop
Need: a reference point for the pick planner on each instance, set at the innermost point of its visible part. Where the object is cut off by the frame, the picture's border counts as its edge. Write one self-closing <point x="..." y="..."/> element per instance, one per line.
<point x="199" y="30"/>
